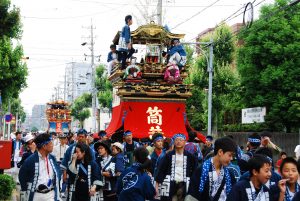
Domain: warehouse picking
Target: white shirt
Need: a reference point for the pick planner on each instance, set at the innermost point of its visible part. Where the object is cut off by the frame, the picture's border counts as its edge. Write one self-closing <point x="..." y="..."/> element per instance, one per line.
<point x="45" y="171"/>
<point x="59" y="151"/>
<point x="17" y="150"/>
<point x="179" y="167"/>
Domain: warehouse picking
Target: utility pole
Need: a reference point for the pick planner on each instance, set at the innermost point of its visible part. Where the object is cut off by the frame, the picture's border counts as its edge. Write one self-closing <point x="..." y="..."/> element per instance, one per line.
<point x="210" y="71"/>
<point x="94" y="93"/>
<point x="65" y="85"/>
<point x="159" y="12"/>
<point x="93" y="87"/>
<point x="210" y="78"/>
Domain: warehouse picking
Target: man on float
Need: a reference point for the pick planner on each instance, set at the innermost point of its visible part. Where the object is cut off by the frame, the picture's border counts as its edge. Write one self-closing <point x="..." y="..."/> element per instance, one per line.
<point x="177" y="54"/>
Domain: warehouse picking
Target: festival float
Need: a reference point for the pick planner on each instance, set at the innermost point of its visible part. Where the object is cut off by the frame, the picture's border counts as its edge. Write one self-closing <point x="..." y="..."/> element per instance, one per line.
<point x="59" y="116"/>
<point x="149" y="95"/>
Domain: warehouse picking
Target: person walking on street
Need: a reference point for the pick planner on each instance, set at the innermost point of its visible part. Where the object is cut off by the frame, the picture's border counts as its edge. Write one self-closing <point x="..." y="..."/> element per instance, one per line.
<point x="175" y="171"/>
<point x="39" y="176"/>
<point x="31" y="148"/>
<point x="84" y="177"/>
<point x="129" y="146"/>
<point x="59" y="151"/>
<point x="16" y="156"/>
<point x="107" y="169"/>
<point x="134" y="183"/>
<point x="213" y="180"/>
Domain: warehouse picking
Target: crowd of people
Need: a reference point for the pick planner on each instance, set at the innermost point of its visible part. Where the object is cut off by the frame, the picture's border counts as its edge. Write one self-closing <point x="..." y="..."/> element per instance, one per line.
<point x="85" y="166"/>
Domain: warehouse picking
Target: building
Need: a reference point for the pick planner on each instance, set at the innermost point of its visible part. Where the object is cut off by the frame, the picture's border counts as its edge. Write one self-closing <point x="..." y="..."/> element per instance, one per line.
<point x="234" y="28"/>
<point x="78" y="80"/>
<point x="38" y="117"/>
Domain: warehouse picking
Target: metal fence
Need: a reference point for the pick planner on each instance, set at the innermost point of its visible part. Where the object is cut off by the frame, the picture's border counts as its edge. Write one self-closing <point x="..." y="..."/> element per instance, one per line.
<point x="286" y="141"/>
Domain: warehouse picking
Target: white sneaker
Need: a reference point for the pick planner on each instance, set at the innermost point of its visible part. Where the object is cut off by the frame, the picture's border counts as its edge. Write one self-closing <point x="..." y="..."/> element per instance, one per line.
<point x="62" y="195"/>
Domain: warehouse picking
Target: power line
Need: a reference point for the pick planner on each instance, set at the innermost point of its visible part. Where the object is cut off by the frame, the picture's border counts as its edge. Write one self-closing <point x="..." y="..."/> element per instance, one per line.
<point x="73" y="17"/>
<point x="196" y="14"/>
<point x="155" y="5"/>
<point x="231" y="16"/>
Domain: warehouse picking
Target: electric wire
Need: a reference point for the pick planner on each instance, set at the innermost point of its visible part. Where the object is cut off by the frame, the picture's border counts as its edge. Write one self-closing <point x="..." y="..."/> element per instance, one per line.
<point x="195" y="14"/>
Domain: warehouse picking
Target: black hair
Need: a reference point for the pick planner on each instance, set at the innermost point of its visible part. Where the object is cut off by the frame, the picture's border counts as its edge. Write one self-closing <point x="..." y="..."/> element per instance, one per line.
<point x="265" y="151"/>
<point x="266" y="133"/>
<point x="257" y="162"/>
<point x="114" y="47"/>
<point x="288" y="160"/>
<point x="226" y="144"/>
<point x="255" y="136"/>
<point x="18" y="132"/>
<point x="167" y="143"/>
<point x="128" y="17"/>
<point x="156" y="135"/>
<point x="282" y="153"/>
<point x="192" y="135"/>
<point x="40" y="139"/>
<point x="86" y="149"/>
<point x="141" y="156"/>
<point x="230" y="136"/>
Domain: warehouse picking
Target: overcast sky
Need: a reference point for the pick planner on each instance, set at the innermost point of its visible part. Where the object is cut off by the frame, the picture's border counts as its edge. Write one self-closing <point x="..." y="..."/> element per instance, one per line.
<point x="53" y="31"/>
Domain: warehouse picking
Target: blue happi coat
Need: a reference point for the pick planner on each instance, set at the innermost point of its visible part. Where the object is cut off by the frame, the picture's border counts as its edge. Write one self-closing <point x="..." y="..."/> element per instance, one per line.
<point x="135" y="185"/>
<point x="29" y="173"/>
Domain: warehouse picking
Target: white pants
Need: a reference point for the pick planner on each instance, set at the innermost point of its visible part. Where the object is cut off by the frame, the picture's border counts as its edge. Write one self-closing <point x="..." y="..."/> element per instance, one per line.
<point x="177" y="59"/>
<point x="111" y="65"/>
<point x="44" y="196"/>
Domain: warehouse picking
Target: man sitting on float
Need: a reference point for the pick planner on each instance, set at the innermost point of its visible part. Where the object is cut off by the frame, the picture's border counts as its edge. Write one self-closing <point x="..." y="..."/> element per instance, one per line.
<point x="132" y="72"/>
<point x="177" y="54"/>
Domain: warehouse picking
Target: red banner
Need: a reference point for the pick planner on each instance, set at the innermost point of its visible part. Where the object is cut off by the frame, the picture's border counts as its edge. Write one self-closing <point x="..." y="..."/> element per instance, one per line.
<point x="145" y="118"/>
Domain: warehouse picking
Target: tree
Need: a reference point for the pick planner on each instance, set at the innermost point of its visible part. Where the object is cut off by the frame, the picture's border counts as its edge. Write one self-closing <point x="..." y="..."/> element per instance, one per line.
<point x="79" y="109"/>
<point x="225" y="82"/>
<point x="269" y="64"/>
<point x="13" y="71"/>
<point x="34" y="129"/>
<point x="104" y="88"/>
<point x="16" y="108"/>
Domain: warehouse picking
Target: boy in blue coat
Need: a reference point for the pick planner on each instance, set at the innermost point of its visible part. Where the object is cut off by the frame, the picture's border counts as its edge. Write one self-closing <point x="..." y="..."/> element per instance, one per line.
<point x="177" y="54"/>
<point x="254" y="189"/>
<point x="112" y="58"/>
<point x="125" y="44"/>
<point x="134" y="183"/>
<point x="213" y="180"/>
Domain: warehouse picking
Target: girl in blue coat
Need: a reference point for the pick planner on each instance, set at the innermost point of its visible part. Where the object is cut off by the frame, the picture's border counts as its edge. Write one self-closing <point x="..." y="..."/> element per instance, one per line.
<point x="134" y="183"/>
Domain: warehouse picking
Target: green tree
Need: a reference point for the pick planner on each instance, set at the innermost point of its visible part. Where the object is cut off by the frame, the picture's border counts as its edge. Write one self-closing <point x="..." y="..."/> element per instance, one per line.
<point x="16" y="107"/>
<point x="13" y="71"/>
<point x="225" y="82"/>
<point x="269" y="64"/>
<point x="104" y="88"/>
<point x="79" y="109"/>
<point x="34" y="129"/>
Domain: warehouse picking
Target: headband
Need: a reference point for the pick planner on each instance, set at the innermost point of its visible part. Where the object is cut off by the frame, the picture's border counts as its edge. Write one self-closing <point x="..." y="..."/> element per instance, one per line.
<point x="158" y="138"/>
<point x="44" y="143"/>
<point x="179" y="135"/>
<point x="127" y="133"/>
<point x="253" y="140"/>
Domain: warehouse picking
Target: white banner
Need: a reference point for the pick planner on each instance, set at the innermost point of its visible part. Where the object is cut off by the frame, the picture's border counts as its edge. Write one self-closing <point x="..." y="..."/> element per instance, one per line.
<point x="253" y="115"/>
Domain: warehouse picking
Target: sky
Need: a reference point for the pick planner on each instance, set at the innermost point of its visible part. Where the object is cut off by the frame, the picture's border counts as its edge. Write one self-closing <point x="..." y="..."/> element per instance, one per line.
<point x="53" y="31"/>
